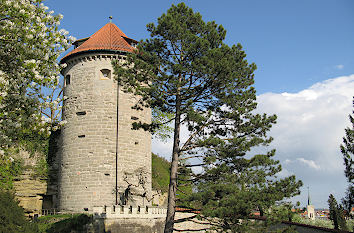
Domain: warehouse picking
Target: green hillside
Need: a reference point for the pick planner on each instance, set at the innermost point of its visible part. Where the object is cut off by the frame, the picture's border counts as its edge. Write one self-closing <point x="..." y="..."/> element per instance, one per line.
<point x="160" y="173"/>
<point x="161" y="178"/>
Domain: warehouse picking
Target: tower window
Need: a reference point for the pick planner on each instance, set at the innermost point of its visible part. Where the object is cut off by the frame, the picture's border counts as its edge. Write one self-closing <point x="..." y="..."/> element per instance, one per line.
<point x="81" y="113"/>
<point x="67" y="80"/>
<point x="105" y="74"/>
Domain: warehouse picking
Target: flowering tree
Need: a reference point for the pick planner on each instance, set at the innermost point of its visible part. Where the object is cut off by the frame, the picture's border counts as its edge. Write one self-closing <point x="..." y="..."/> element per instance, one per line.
<point x="30" y="44"/>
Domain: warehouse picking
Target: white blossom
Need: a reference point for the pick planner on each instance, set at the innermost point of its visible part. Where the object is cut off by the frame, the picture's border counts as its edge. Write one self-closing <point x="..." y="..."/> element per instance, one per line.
<point x="63" y="32"/>
<point x="30" y="54"/>
<point x="72" y="38"/>
<point x="63" y="122"/>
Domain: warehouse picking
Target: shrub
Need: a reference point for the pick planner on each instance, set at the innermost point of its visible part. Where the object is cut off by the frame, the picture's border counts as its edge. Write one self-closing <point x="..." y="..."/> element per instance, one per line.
<point x="12" y="218"/>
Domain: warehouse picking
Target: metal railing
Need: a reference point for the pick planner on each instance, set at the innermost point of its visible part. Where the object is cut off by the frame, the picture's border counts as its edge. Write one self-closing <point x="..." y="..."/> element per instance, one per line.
<point x="49" y="212"/>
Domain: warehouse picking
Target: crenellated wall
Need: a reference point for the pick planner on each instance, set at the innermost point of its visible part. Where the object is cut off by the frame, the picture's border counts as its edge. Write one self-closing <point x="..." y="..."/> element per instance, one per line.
<point x="87" y="174"/>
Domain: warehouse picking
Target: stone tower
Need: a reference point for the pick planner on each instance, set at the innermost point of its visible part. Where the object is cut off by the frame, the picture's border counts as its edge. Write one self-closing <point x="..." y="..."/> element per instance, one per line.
<point x="101" y="164"/>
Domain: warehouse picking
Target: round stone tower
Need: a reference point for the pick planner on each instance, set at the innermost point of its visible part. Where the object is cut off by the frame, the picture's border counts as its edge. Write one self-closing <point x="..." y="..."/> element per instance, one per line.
<point x="101" y="164"/>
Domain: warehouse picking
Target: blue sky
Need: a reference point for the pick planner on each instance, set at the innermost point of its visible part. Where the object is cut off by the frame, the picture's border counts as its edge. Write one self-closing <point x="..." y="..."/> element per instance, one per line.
<point x="304" y="53"/>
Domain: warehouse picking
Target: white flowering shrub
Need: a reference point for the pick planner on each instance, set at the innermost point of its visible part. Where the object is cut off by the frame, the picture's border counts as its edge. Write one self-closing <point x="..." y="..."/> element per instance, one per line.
<point x="30" y="44"/>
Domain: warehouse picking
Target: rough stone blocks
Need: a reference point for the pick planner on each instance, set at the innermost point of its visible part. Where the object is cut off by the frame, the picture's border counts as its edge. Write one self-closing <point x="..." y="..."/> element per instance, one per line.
<point x="89" y="139"/>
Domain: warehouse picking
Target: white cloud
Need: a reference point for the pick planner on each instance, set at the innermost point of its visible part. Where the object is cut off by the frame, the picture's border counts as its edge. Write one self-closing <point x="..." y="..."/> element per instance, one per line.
<point x="311" y="122"/>
<point x="309" y="130"/>
<point x="339" y="67"/>
<point x="310" y="163"/>
<point x="162" y="148"/>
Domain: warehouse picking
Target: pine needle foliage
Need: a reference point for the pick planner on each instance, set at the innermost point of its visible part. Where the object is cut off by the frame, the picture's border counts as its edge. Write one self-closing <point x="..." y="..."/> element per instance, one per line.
<point x="187" y="71"/>
<point x="347" y="149"/>
<point x="336" y="214"/>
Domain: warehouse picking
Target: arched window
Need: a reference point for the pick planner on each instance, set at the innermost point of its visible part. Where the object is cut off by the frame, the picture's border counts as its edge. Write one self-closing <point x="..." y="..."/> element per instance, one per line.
<point x="105" y="74"/>
<point x="67" y="80"/>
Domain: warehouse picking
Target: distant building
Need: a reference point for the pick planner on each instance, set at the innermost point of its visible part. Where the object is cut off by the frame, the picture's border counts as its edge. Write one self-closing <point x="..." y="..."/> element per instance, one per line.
<point x="310" y="208"/>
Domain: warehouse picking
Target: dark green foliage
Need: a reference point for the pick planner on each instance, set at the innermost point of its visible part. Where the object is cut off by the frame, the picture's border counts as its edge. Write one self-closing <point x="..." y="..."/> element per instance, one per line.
<point x="12" y="218"/>
<point x="160" y="173"/>
<point x="348" y="199"/>
<point x="347" y="149"/>
<point x="336" y="214"/>
<point x="9" y="169"/>
<point x="186" y="70"/>
<point x="184" y="186"/>
<point x="75" y="223"/>
<point x="281" y="212"/>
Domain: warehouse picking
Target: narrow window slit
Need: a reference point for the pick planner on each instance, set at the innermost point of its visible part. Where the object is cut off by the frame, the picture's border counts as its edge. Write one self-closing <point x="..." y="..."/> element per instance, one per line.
<point x="67" y="79"/>
<point x="81" y="113"/>
<point x="81" y="136"/>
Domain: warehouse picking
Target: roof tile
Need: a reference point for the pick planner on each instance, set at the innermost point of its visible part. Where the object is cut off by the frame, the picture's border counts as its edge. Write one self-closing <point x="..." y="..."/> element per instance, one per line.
<point x="109" y="37"/>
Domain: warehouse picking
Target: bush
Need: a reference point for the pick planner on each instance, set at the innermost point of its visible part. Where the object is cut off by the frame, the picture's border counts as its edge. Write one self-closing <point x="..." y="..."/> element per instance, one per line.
<point x="12" y="218"/>
<point x="74" y="223"/>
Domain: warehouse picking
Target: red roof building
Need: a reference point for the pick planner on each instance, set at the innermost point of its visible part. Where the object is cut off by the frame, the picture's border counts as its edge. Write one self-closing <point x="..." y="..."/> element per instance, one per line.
<point x="109" y="38"/>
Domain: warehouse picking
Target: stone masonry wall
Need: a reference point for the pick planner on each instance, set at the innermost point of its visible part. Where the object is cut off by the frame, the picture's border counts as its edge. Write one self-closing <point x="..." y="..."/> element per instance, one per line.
<point x="88" y="139"/>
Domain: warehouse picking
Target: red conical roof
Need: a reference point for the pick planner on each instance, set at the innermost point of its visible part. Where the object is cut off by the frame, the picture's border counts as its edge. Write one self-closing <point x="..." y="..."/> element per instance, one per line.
<point x="109" y="37"/>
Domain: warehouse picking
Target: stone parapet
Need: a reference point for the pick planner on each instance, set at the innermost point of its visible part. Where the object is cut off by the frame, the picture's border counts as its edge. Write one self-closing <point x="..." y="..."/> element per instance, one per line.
<point x="129" y="212"/>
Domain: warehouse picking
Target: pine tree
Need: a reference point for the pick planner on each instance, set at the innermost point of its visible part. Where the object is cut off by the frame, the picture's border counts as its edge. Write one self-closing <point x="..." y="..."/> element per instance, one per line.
<point x="238" y="185"/>
<point x="347" y="149"/>
<point x="186" y="70"/>
<point x="333" y="212"/>
<point x="336" y="214"/>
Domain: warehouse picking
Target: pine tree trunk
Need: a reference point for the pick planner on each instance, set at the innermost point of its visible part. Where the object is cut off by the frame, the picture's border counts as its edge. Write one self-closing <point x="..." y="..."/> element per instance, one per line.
<point x="171" y="206"/>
